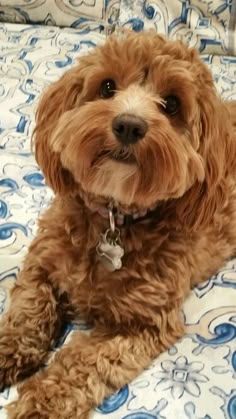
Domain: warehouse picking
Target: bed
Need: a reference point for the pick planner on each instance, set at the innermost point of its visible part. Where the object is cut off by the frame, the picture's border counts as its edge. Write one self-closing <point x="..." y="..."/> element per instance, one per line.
<point x="196" y="378"/>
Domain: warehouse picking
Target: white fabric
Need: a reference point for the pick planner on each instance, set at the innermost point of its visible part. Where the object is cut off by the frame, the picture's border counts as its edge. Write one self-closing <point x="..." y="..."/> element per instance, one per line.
<point x="195" y="379"/>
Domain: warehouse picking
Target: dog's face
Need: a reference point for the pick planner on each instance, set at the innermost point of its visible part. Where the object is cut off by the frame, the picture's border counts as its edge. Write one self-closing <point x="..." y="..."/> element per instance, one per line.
<point x="134" y="122"/>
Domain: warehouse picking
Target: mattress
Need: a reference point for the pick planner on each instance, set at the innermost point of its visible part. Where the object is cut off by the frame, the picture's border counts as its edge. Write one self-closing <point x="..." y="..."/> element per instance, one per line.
<point x="196" y="378"/>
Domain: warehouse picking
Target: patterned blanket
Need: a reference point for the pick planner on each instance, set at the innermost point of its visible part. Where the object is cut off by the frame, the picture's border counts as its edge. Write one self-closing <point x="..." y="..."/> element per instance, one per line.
<point x="196" y="378"/>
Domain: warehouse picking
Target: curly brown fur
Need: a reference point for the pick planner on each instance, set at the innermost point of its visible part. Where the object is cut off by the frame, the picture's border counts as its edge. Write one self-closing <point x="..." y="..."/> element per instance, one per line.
<point x="184" y="167"/>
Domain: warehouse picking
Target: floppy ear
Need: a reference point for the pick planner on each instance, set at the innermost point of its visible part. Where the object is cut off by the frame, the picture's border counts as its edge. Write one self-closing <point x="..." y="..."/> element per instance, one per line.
<point x="60" y="97"/>
<point x="218" y="149"/>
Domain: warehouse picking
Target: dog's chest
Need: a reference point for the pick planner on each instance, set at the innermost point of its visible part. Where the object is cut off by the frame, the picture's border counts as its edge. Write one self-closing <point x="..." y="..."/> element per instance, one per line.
<point x="97" y="288"/>
<point x="106" y="294"/>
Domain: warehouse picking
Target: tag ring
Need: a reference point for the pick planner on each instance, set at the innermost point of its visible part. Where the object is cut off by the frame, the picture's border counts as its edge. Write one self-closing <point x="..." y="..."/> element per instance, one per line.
<point x="112" y="221"/>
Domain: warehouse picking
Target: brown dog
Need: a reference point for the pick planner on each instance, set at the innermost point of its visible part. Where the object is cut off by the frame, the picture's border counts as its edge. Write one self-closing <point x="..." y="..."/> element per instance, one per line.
<point x="135" y="142"/>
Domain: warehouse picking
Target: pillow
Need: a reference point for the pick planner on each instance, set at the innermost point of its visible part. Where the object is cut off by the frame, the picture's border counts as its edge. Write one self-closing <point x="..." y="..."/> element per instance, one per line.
<point x="206" y="24"/>
<point x="74" y="13"/>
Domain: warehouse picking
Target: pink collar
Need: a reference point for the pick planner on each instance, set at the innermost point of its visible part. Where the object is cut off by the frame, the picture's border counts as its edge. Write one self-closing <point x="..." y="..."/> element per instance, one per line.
<point x="122" y="219"/>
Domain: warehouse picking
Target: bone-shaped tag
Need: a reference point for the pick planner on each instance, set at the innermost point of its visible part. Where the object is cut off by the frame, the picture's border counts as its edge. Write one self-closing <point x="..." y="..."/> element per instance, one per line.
<point x="110" y="254"/>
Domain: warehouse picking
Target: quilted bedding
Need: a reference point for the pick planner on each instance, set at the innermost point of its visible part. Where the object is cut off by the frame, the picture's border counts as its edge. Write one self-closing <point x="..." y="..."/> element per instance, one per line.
<point x="196" y="378"/>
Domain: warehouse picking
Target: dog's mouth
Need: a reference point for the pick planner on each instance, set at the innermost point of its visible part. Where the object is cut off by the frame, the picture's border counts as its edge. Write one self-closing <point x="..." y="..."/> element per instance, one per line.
<point x="121" y="155"/>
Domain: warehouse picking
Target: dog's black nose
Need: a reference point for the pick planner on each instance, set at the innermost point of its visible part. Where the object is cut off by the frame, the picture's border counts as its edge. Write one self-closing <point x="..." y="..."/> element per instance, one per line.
<point x="128" y="128"/>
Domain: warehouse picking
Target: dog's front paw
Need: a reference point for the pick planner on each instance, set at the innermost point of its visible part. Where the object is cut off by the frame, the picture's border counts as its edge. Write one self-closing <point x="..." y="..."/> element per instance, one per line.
<point x="44" y="397"/>
<point x="16" y="361"/>
<point x="24" y="410"/>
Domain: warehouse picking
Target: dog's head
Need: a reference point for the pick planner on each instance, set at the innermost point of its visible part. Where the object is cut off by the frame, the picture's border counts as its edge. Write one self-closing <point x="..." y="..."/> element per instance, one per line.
<point x="138" y="121"/>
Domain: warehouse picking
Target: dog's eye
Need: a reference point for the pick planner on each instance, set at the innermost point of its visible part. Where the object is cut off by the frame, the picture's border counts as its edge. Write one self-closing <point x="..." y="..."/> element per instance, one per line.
<point x="107" y="89"/>
<point x="172" y="105"/>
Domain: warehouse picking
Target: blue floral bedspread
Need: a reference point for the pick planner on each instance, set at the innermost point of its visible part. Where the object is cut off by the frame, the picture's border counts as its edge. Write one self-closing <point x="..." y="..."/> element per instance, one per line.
<point x="196" y="378"/>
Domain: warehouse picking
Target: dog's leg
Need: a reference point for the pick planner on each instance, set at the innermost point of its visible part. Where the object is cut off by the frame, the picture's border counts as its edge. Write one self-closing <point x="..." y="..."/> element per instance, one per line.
<point x="28" y="328"/>
<point x="91" y="368"/>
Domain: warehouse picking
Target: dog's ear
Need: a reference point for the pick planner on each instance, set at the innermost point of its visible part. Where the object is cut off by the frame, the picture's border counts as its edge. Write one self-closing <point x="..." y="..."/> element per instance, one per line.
<point x="218" y="149"/>
<point x="59" y="97"/>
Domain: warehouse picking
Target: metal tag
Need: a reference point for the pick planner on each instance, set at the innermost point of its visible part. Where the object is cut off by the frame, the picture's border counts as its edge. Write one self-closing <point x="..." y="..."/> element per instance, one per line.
<point x="109" y="251"/>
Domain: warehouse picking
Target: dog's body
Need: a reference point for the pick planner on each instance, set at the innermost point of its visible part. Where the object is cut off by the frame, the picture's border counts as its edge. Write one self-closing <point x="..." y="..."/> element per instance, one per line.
<point x="180" y="172"/>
